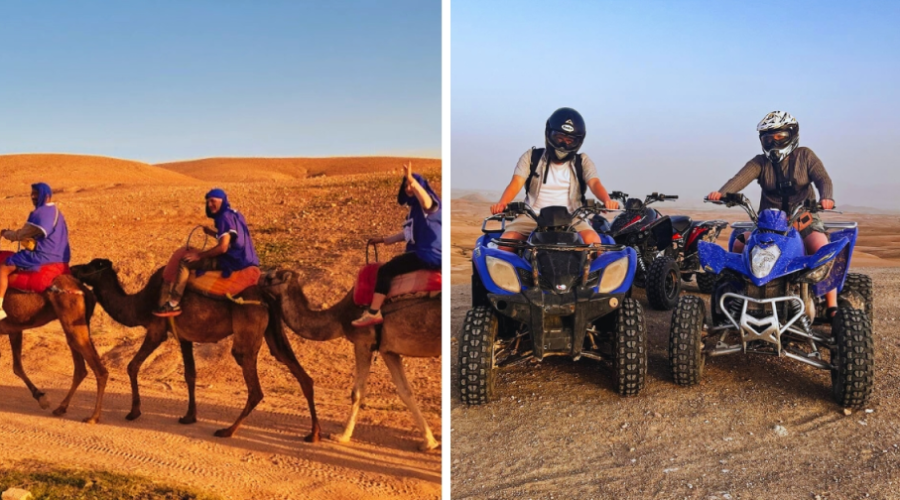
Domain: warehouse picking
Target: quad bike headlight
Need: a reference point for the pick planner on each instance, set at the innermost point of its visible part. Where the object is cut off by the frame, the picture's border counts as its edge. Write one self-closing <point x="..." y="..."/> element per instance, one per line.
<point x="763" y="259"/>
<point x="818" y="273"/>
<point x="614" y="275"/>
<point x="503" y="274"/>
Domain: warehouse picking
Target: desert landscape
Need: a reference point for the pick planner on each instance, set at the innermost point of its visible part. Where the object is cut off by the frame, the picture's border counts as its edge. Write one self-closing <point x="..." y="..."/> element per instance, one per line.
<point x="756" y="427"/>
<point x="311" y="215"/>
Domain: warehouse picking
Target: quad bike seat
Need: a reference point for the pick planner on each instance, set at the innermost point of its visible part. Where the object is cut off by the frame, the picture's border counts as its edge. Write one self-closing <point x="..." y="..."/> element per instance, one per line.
<point x="35" y="281"/>
<point x="681" y="223"/>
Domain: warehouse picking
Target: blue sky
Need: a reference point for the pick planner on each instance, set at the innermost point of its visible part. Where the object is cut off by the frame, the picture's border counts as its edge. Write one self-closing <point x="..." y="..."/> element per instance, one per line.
<point x="169" y="80"/>
<point x="672" y="91"/>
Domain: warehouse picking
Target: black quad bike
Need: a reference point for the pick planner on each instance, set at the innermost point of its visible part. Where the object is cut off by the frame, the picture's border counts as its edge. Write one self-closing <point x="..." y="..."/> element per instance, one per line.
<point x="666" y="245"/>
<point x="551" y="295"/>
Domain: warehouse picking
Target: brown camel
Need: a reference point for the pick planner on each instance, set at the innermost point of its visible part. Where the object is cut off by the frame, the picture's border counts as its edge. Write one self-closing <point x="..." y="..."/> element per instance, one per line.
<point x="204" y="320"/>
<point x="72" y="304"/>
<point x="411" y="328"/>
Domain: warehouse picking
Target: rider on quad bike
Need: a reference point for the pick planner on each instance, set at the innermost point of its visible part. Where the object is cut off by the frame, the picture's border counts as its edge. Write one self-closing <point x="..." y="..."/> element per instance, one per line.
<point x="555" y="176"/>
<point x="545" y="285"/>
<point x="786" y="173"/>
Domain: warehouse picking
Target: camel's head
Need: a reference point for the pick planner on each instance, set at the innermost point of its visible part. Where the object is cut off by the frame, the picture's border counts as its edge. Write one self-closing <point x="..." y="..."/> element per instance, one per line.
<point x="91" y="272"/>
<point x="276" y="281"/>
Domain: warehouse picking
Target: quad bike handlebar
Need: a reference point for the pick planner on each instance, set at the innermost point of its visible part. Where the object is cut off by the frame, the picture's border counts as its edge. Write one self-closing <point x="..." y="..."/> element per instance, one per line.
<point x="738" y="199"/>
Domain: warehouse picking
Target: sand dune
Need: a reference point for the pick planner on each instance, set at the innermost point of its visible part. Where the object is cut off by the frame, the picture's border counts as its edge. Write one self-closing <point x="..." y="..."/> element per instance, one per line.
<point x="67" y="173"/>
<point x="280" y="169"/>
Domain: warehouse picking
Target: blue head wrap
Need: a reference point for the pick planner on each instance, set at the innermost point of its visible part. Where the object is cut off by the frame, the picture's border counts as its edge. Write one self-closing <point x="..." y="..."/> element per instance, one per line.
<point x="220" y="194"/>
<point x="43" y="192"/>
<point x="405" y="199"/>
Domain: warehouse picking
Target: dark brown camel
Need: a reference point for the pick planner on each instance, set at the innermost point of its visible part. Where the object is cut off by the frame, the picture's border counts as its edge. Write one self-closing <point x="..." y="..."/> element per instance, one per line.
<point x="204" y="320"/>
<point x="72" y="304"/>
<point x="411" y="328"/>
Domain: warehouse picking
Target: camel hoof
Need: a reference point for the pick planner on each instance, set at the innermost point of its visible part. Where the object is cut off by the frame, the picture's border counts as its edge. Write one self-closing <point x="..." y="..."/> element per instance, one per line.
<point x="90" y="420"/>
<point x="429" y="445"/>
<point x="44" y="402"/>
<point x="187" y="420"/>
<point x="60" y="411"/>
<point x="133" y="415"/>
<point x="339" y="438"/>
<point x="312" y="438"/>
<point x="224" y="433"/>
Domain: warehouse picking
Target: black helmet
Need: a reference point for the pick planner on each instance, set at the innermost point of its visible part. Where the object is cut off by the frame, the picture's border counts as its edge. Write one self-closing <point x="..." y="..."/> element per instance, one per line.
<point x="564" y="133"/>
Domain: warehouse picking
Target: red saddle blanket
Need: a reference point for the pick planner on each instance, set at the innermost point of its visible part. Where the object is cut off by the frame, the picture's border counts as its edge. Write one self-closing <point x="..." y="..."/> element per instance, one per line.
<point x="34" y="281"/>
<point x="213" y="284"/>
<point x="405" y="284"/>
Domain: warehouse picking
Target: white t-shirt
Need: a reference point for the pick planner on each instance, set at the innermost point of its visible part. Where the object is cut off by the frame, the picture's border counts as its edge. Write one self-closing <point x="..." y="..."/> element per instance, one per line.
<point x="556" y="191"/>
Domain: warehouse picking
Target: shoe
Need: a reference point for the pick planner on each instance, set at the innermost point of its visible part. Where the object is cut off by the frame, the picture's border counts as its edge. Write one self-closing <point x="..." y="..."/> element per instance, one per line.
<point x="167" y="310"/>
<point x="368" y="319"/>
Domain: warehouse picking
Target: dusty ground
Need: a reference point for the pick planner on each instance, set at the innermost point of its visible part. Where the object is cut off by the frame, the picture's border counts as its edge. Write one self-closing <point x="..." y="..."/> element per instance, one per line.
<point x="136" y="215"/>
<point x="558" y="429"/>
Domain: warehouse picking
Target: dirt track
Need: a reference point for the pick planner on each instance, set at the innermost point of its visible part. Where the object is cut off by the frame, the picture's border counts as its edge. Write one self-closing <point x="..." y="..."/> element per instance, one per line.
<point x="316" y="226"/>
<point x="558" y="429"/>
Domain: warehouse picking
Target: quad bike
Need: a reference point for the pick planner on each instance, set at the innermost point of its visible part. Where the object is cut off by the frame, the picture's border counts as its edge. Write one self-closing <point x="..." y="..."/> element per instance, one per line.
<point x="550" y="295"/>
<point x="769" y="298"/>
<point x="667" y="246"/>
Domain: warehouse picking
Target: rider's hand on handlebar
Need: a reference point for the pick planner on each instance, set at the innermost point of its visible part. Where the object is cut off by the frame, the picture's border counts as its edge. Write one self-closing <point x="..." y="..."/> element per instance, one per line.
<point x="714" y="196"/>
<point x="612" y="204"/>
<point x="497" y="208"/>
<point x="827" y="204"/>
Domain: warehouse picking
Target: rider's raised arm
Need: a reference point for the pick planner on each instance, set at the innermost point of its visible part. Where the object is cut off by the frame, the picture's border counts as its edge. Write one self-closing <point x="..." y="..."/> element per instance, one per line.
<point x="743" y="178"/>
<point x="589" y="171"/>
<point x="819" y="176"/>
<point x="29" y="230"/>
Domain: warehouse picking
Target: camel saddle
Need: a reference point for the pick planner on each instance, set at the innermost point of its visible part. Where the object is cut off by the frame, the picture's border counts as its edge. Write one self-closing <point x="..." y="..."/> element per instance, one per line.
<point x="422" y="283"/>
<point x="212" y="284"/>
<point x="34" y="281"/>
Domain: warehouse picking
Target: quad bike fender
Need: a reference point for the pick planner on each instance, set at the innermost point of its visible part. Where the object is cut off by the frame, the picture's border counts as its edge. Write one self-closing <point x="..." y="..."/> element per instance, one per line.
<point x="662" y="232"/>
<point x="714" y="259"/>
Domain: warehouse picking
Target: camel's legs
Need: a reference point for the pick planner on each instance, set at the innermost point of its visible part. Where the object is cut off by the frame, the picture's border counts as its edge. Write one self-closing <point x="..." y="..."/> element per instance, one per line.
<point x="395" y="365"/>
<point x="156" y="334"/>
<point x="190" y="377"/>
<point x="281" y="349"/>
<point x="78" y="375"/>
<point x="363" y="353"/>
<point x="71" y="311"/>
<point x="247" y="360"/>
<point x="15" y="341"/>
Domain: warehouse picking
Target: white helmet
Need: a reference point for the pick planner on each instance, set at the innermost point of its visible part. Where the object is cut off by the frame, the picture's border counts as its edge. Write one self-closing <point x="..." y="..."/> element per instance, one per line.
<point x="779" y="134"/>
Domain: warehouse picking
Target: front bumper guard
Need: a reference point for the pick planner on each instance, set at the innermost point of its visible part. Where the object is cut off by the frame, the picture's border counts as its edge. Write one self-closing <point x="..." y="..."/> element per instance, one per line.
<point x="769" y="328"/>
<point x="558" y="322"/>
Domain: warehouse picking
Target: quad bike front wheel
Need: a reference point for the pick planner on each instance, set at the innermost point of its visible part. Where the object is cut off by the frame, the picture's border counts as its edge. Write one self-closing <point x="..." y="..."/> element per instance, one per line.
<point x="858" y="287"/>
<point x="686" y="358"/>
<point x="852" y="358"/>
<point x="630" y="346"/>
<point x="663" y="283"/>
<point x="706" y="282"/>
<point x="476" y="355"/>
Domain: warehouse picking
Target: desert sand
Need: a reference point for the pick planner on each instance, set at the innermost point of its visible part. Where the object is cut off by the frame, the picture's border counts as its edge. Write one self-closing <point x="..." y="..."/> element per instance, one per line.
<point x="558" y="429"/>
<point x="315" y="220"/>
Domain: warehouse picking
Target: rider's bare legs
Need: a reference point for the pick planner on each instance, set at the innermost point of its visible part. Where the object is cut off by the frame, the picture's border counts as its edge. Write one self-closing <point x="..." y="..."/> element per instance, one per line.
<point x="512" y="235"/>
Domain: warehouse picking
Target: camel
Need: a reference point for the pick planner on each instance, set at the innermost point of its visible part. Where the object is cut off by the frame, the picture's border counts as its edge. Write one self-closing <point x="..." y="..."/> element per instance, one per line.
<point x="72" y="304"/>
<point x="204" y="320"/>
<point x="411" y="328"/>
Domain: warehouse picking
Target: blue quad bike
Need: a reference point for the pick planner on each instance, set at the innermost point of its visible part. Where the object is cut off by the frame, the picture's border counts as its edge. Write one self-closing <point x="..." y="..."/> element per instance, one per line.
<point x="770" y="297"/>
<point x="550" y="296"/>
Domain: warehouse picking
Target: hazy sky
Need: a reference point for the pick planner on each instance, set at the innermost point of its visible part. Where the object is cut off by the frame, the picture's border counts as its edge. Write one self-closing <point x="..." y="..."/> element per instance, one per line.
<point x="672" y="91"/>
<point x="167" y="80"/>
